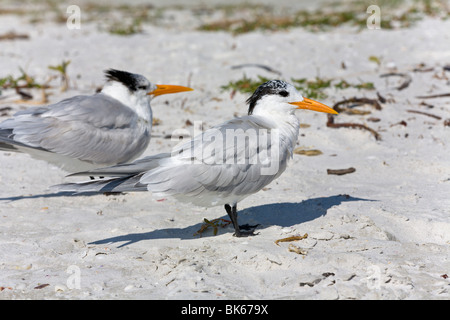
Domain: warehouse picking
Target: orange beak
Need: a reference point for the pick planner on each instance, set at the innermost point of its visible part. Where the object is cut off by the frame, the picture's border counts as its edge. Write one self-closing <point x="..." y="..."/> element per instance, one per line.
<point x="165" y="89"/>
<point x="309" y="104"/>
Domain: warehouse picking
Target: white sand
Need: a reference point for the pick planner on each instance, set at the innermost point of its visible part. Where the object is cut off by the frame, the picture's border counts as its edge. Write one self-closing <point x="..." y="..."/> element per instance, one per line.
<point x="382" y="232"/>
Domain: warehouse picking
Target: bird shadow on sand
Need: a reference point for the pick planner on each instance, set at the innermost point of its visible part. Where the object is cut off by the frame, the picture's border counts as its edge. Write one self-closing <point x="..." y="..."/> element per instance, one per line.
<point x="281" y="214"/>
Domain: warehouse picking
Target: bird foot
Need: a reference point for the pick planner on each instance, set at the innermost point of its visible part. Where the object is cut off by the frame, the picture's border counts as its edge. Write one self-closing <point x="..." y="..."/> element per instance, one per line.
<point x="248" y="231"/>
<point x="112" y="193"/>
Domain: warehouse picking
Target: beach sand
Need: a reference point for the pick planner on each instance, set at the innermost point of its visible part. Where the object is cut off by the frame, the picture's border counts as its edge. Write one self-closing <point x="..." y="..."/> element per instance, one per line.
<point x="381" y="232"/>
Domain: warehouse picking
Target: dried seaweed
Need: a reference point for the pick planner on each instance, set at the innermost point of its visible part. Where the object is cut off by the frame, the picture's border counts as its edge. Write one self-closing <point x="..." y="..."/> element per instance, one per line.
<point x="214" y="224"/>
<point x="372" y="102"/>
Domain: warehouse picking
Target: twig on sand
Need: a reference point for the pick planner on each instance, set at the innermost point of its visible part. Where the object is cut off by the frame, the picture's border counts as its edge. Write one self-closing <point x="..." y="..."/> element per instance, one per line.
<point x="292" y="238"/>
<point x="372" y="102"/>
<point x="425" y="114"/>
<point x="357" y="101"/>
<point x="331" y="124"/>
<point x="407" y="79"/>
<point x="13" y="36"/>
<point x="423" y="68"/>
<point x="341" y="172"/>
<point x="402" y="123"/>
<point x="381" y="98"/>
<point x="434" y="96"/>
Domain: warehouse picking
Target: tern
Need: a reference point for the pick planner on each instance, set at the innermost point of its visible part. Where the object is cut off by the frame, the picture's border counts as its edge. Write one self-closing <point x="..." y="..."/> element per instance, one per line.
<point x="222" y="165"/>
<point x="85" y="132"/>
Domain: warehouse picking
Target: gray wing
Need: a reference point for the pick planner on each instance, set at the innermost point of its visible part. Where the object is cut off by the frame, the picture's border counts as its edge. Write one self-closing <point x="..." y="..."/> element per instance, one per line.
<point x="248" y="158"/>
<point x="96" y="129"/>
<point x="200" y="172"/>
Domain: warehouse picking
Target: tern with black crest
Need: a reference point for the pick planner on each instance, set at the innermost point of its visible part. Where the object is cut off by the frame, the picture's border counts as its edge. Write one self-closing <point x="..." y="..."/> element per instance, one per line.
<point x="222" y="165"/>
<point x="86" y="132"/>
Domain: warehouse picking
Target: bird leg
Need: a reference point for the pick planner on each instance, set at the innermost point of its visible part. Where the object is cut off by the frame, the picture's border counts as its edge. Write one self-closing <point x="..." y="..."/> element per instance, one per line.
<point x="249" y="230"/>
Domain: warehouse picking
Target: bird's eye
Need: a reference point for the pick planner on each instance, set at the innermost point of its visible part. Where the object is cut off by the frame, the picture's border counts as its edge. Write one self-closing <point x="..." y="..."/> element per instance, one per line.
<point x="284" y="93"/>
<point x="142" y="87"/>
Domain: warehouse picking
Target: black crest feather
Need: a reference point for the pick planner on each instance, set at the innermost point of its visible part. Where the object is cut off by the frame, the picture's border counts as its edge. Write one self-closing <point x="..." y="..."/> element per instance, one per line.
<point x="269" y="87"/>
<point x="128" y="79"/>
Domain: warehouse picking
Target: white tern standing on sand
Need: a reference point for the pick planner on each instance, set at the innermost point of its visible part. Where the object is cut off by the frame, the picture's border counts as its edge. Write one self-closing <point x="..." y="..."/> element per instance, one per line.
<point x="222" y="165"/>
<point x="86" y="132"/>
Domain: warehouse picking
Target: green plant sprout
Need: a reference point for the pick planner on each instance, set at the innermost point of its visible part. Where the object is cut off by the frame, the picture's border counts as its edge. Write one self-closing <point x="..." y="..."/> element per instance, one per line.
<point x="62" y="69"/>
